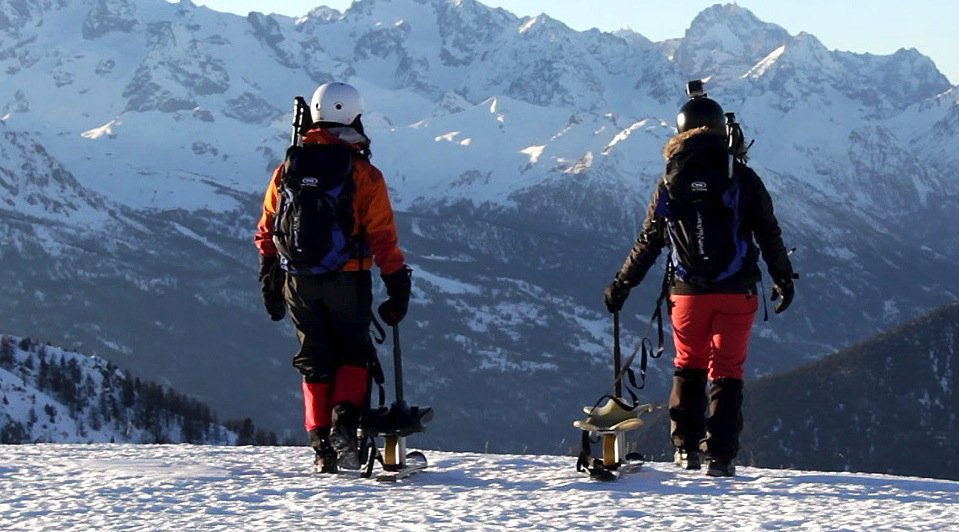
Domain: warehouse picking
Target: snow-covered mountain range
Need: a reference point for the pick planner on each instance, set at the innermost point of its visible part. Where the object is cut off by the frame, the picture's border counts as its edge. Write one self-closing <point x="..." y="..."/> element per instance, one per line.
<point x="139" y="134"/>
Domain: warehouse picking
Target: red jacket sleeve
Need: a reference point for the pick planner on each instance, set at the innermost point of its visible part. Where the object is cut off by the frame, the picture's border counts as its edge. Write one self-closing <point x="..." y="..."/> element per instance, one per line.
<point x="375" y="215"/>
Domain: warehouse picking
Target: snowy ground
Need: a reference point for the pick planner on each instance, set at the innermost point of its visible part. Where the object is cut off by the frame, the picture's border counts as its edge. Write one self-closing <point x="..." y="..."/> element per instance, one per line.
<point x="181" y="487"/>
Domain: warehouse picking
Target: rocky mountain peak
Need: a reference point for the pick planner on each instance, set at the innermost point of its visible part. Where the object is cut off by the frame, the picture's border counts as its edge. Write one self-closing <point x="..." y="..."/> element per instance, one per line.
<point x="324" y="14"/>
<point x="726" y="36"/>
<point x="908" y="76"/>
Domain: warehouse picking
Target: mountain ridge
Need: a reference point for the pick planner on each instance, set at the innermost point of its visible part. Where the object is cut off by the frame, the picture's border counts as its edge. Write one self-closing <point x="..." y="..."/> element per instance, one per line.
<point x="520" y="163"/>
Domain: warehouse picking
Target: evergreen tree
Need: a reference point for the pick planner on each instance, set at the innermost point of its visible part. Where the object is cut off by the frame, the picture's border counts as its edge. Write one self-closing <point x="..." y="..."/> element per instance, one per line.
<point x="244" y="429"/>
<point x="13" y="433"/>
<point x="51" y="412"/>
<point x="6" y="352"/>
<point x="129" y="392"/>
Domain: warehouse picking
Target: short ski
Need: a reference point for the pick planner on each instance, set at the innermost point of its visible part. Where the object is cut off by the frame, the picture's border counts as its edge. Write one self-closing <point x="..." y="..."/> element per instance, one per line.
<point x="415" y="462"/>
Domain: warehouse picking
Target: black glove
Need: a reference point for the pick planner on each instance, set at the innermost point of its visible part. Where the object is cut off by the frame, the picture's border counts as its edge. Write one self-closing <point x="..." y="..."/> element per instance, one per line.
<point x="272" y="278"/>
<point x="616" y="294"/>
<point x="398" y="285"/>
<point x="786" y="290"/>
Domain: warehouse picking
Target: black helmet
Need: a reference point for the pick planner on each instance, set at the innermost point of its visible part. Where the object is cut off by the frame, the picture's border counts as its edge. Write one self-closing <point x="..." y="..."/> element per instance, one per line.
<point x="698" y="112"/>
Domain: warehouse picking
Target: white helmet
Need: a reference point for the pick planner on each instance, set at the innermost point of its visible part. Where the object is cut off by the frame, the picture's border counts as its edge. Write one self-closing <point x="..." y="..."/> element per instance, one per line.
<point x="336" y="102"/>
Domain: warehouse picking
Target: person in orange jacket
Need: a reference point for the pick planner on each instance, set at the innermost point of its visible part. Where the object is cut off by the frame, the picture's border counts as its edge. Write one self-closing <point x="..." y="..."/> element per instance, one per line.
<point x="328" y="293"/>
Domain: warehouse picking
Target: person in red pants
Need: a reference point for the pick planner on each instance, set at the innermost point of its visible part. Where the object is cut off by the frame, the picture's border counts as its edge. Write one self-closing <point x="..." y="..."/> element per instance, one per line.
<point x="715" y="215"/>
<point x="326" y="219"/>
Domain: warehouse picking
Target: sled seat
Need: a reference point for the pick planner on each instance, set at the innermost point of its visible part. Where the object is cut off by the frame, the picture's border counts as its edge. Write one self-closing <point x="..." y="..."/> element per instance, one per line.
<point x="399" y="419"/>
<point x="612" y="417"/>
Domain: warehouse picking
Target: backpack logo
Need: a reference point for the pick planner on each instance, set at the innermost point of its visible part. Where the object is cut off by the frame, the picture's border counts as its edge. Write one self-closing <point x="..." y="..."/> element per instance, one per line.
<point x="700" y="204"/>
<point x="701" y="237"/>
<point x="314" y="219"/>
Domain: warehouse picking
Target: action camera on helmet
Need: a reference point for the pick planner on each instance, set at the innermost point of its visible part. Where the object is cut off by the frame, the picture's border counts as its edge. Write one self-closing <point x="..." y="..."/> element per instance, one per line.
<point x="695" y="89"/>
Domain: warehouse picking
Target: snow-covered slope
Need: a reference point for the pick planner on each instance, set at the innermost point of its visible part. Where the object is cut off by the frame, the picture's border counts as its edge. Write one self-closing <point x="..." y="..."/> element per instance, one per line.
<point x="52" y="395"/>
<point x="520" y="153"/>
<point x="176" y="487"/>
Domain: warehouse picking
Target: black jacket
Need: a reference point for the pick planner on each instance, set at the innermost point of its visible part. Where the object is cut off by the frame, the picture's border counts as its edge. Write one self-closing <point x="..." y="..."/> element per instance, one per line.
<point x="759" y="225"/>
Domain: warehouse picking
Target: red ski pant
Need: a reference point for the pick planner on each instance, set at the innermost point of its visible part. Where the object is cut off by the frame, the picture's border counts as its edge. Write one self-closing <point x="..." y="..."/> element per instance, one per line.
<point x="711" y="331"/>
<point x="350" y="385"/>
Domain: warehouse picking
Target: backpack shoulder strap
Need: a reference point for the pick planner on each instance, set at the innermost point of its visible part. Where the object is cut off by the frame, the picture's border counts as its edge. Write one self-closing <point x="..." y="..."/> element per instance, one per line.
<point x="662" y="199"/>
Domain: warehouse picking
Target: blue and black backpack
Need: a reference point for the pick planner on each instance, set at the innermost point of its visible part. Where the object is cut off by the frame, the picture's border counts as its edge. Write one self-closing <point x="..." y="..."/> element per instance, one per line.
<point x="700" y="204"/>
<point x="314" y="219"/>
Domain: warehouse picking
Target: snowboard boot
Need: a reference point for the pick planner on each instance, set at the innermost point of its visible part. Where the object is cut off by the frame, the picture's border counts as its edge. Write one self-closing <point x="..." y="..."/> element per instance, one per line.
<point x="721" y="468"/>
<point x="687" y="459"/>
<point x="346" y="421"/>
<point x="687" y="409"/>
<point x="325" y="459"/>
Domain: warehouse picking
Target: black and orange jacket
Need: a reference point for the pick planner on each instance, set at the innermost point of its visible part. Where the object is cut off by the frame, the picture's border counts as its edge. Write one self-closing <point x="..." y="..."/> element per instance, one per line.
<point x="372" y="211"/>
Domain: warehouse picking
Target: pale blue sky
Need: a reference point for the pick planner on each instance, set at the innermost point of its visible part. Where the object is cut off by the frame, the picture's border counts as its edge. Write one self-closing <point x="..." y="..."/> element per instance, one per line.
<point x="874" y="26"/>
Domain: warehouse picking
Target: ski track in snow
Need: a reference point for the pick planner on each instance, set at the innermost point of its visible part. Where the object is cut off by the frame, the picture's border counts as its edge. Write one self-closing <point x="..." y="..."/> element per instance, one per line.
<point x="186" y="487"/>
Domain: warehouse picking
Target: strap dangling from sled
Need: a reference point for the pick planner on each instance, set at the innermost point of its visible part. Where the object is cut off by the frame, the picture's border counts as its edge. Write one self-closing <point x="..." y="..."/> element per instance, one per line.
<point x="612" y="416"/>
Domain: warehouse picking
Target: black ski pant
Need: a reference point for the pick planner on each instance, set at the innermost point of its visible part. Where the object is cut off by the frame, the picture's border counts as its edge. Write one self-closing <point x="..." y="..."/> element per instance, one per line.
<point x="687" y="408"/>
<point x="332" y="315"/>
<point x="725" y="419"/>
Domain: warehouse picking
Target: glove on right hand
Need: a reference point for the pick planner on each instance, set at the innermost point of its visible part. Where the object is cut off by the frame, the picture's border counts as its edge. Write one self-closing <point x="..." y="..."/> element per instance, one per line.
<point x="785" y="290"/>
<point x="615" y="295"/>
<point x="398" y="286"/>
